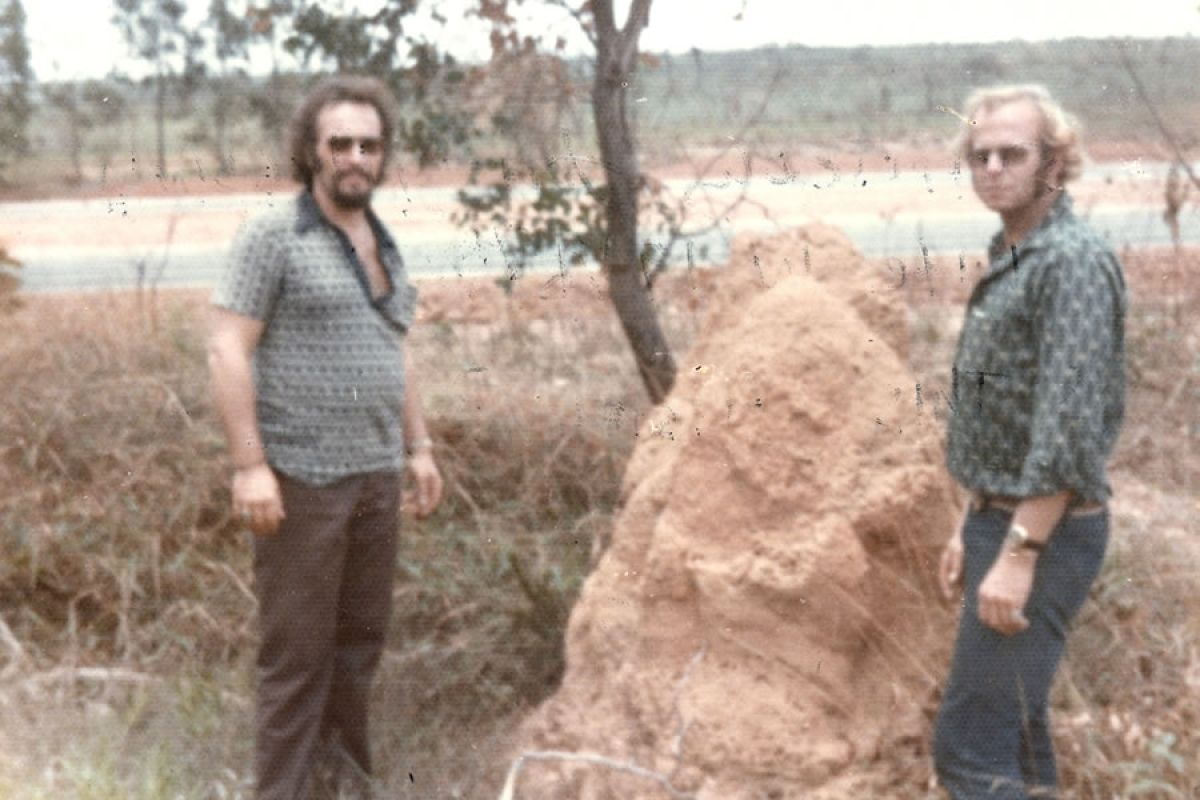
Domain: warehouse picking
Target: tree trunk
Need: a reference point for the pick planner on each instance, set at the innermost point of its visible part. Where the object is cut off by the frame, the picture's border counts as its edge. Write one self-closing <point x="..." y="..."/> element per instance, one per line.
<point x="76" y="122"/>
<point x="221" y="98"/>
<point x="616" y="57"/>
<point x="160" y="122"/>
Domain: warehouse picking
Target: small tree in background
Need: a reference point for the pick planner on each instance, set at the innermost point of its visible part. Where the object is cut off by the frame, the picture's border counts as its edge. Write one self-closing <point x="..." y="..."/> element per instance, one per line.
<point x="271" y="101"/>
<point x="231" y="35"/>
<point x="156" y="33"/>
<point x="65" y="98"/>
<point x="601" y="221"/>
<point x="9" y="282"/>
<point x="16" y="82"/>
<point x="87" y="107"/>
<point x="616" y="61"/>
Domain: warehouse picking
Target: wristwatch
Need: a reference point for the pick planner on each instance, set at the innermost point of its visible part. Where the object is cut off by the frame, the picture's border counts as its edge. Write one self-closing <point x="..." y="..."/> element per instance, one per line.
<point x="1018" y="539"/>
<point x="419" y="444"/>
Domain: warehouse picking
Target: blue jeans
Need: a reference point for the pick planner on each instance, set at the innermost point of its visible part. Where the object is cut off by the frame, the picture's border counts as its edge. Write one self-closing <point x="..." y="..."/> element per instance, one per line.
<point x="992" y="738"/>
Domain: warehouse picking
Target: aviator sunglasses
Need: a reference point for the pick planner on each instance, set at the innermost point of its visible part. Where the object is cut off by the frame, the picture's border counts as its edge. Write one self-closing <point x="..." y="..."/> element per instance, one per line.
<point x="1010" y="155"/>
<point x="367" y="145"/>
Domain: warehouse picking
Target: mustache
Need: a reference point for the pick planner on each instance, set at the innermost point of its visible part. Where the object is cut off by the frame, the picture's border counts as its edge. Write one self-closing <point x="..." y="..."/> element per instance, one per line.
<point x="342" y="173"/>
<point x="322" y="166"/>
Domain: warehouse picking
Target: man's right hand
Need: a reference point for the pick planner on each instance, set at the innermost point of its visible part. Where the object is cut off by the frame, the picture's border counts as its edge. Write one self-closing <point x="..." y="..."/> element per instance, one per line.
<point x="257" y="500"/>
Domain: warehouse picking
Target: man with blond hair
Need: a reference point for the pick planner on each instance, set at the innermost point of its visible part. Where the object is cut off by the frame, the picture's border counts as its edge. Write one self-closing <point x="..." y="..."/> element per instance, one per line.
<point x="1037" y="401"/>
<point x="313" y="383"/>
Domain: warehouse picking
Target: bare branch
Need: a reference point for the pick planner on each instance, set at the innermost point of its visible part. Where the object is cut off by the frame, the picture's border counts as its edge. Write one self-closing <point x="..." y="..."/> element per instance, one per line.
<point x="510" y="785"/>
<point x="1180" y="156"/>
<point x="681" y="684"/>
<point x="226" y="570"/>
<point x="751" y="122"/>
<point x="701" y="174"/>
<point x="90" y="674"/>
<point x="11" y="641"/>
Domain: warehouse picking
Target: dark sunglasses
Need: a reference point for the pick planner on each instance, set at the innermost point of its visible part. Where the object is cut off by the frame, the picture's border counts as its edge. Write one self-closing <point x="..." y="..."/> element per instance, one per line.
<point x="367" y="145"/>
<point x="1010" y="156"/>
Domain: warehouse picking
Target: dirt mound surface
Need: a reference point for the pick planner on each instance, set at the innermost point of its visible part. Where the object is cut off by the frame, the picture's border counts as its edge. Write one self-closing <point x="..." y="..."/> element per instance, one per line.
<point x="763" y="623"/>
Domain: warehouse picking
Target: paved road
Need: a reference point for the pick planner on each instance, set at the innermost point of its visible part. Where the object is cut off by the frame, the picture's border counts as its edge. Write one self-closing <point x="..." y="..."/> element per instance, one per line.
<point x="434" y="250"/>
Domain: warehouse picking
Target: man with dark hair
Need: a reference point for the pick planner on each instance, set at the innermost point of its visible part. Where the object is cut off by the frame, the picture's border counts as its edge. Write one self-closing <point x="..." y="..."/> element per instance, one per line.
<point x="311" y="378"/>
<point x="1038" y="399"/>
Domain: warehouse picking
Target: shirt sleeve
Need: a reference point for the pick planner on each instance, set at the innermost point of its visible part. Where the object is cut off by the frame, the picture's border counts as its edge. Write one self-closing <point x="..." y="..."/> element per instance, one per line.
<point x="1078" y="311"/>
<point x="253" y="274"/>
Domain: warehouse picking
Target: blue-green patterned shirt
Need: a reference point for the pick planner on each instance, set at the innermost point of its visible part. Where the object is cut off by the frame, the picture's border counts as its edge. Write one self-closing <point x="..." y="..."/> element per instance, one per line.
<point x="1039" y="375"/>
<point x="329" y="367"/>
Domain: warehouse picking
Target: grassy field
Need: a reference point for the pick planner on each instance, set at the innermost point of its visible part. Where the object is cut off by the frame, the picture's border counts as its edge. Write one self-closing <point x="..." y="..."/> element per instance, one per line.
<point x="128" y="623"/>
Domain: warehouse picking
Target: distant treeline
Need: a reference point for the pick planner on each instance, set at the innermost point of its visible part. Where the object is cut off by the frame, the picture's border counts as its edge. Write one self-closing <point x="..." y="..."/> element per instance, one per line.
<point x="537" y="107"/>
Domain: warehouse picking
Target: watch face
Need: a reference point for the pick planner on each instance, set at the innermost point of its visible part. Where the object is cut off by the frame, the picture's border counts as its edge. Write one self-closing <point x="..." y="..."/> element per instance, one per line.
<point x="1018" y="538"/>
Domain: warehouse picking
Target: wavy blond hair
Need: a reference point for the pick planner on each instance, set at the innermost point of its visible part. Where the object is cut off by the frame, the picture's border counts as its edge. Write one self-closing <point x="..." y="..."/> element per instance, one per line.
<point x="1060" y="130"/>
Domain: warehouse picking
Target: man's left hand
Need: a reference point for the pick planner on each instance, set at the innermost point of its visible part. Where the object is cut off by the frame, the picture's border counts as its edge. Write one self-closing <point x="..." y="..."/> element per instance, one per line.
<point x="427" y="482"/>
<point x="1005" y="590"/>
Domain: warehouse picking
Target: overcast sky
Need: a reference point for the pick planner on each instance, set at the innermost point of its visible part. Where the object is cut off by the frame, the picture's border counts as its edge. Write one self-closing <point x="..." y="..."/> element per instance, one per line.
<point x="75" y="38"/>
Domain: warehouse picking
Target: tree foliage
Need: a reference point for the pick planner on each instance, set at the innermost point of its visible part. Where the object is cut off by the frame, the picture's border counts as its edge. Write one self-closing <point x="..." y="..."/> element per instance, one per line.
<point x="231" y="31"/>
<point x="381" y="43"/>
<point x="16" y="82"/>
<point x="154" y="31"/>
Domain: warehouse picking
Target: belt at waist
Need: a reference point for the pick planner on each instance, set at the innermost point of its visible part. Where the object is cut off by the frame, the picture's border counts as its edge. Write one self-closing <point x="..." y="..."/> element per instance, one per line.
<point x="982" y="502"/>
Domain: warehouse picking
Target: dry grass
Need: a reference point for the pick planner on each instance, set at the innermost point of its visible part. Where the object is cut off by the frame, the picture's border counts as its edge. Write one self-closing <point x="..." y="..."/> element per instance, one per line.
<point x="124" y="583"/>
<point x="118" y="544"/>
<point x="121" y="563"/>
<point x="1130" y="698"/>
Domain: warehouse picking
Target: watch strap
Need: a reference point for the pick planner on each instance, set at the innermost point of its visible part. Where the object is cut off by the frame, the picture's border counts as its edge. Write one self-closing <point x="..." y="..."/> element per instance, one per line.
<point x="1019" y="537"/>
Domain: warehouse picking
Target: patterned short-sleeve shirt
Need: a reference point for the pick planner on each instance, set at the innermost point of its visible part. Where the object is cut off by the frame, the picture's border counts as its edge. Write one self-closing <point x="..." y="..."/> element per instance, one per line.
<point x="329" y="367"/>
<point x="1039" y="378"/>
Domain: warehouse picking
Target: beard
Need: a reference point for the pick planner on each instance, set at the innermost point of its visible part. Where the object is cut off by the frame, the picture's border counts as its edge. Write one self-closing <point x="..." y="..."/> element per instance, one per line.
<point x="346" y="199"/>
<point x="355" y="199"/>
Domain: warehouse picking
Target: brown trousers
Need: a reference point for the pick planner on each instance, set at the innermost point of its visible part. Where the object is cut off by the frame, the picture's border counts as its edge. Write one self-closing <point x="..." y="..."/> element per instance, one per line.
<point x="324" y="586"/>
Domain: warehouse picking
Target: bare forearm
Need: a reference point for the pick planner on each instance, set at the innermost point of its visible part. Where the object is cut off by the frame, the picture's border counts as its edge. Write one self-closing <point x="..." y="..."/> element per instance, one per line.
<point x="416" y="434"/>
<point x="232" y="340"/>
<point x="427" y="479"/>
<point x="233" y="393"/>
<point x="1039" y="515"/>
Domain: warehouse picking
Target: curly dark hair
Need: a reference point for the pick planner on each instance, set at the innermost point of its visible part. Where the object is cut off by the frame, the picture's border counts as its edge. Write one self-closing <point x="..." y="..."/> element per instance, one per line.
<point x="338" y="89"/>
